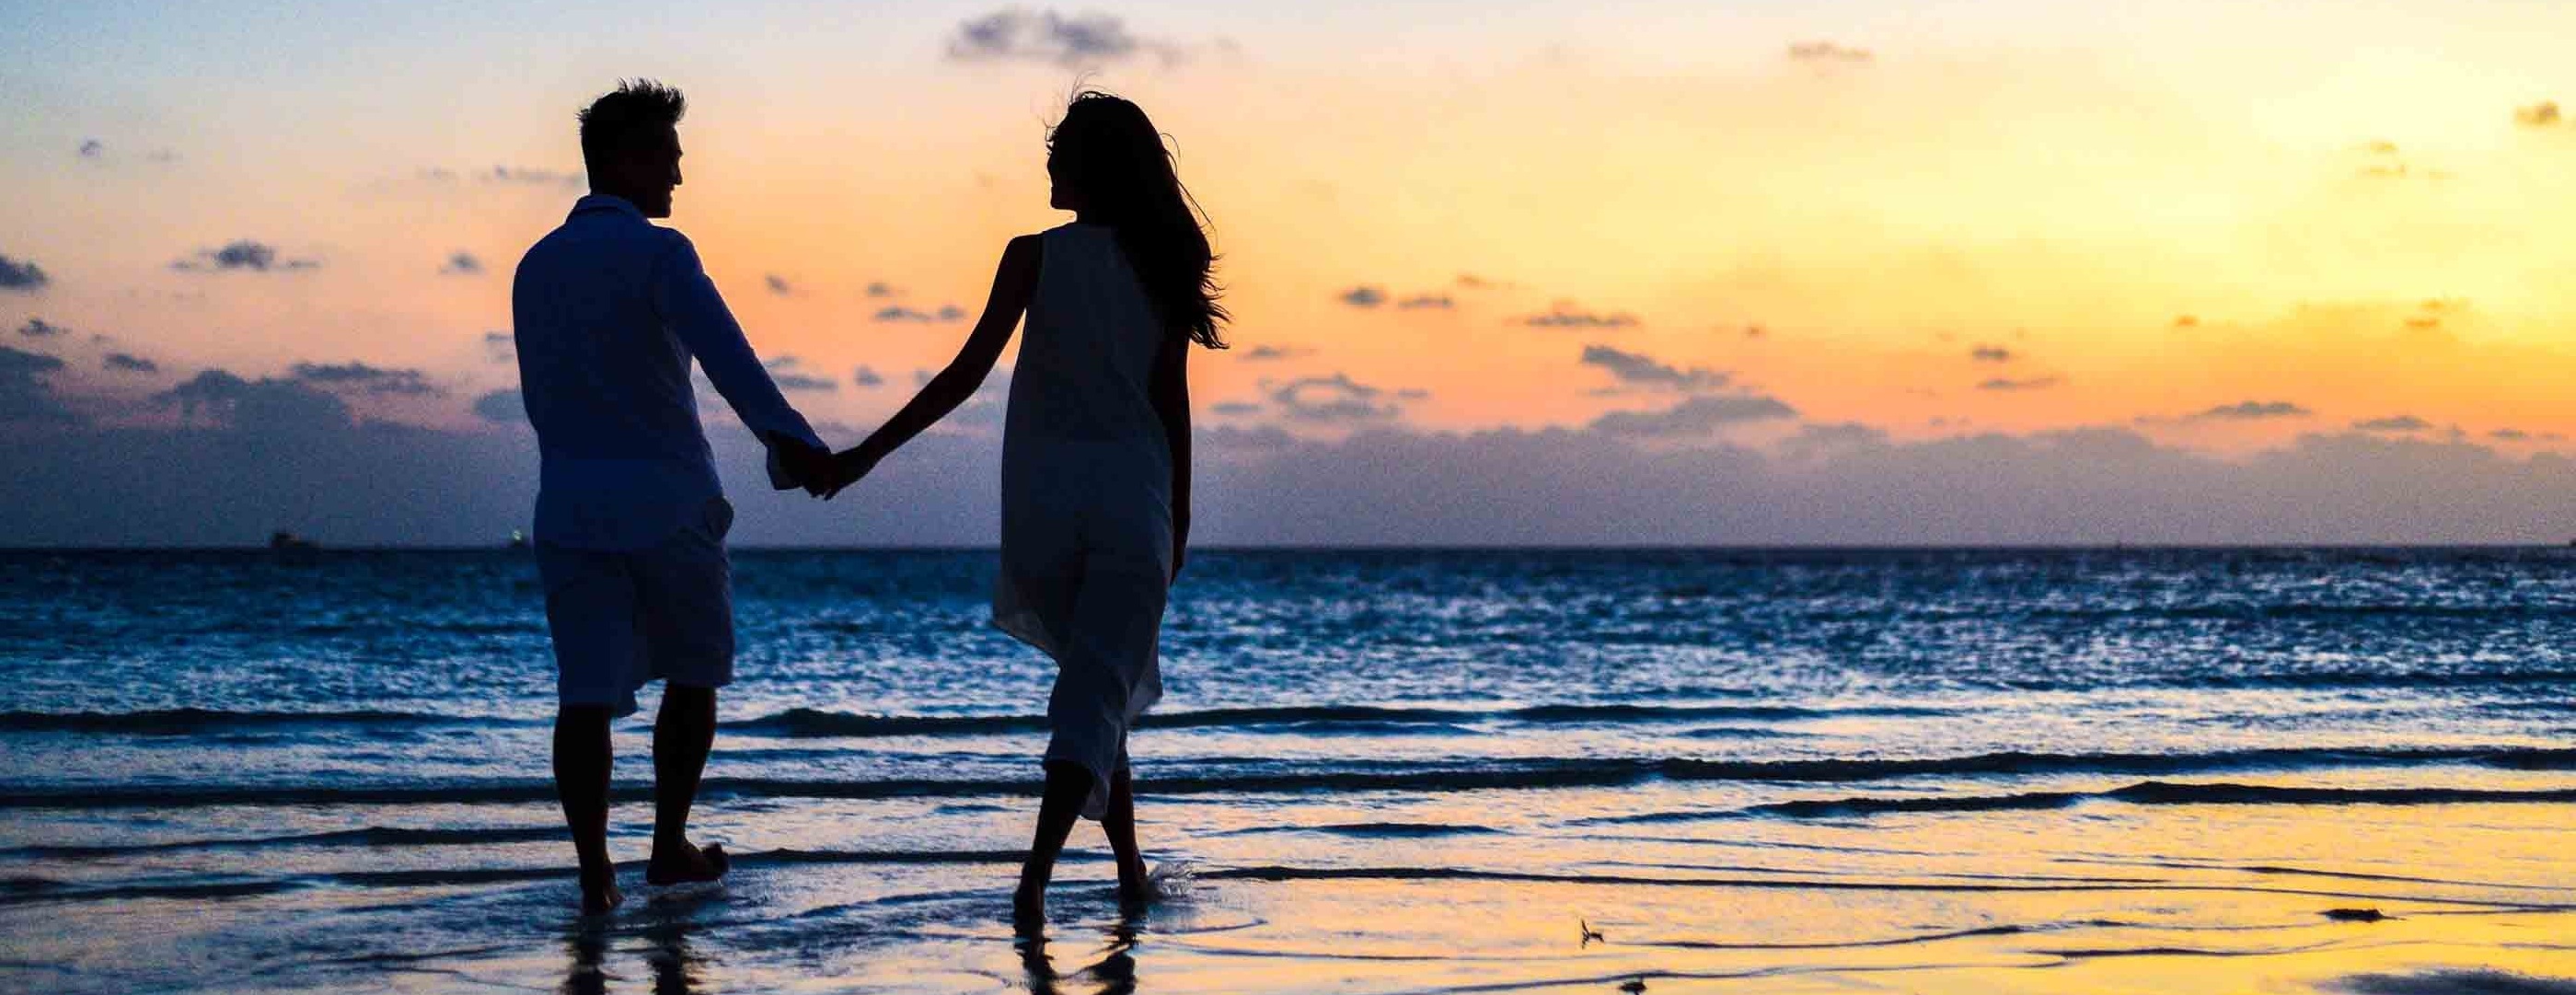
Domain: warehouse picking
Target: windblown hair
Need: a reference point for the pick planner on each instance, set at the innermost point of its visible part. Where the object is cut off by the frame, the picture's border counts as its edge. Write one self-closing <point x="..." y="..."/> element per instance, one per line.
<point x="638" y="107"/>
<point x="1110" y="155"/>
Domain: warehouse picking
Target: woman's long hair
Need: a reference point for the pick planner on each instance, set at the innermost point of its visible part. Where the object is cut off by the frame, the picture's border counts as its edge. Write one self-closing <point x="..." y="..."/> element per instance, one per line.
<point x="1109" y="154"/>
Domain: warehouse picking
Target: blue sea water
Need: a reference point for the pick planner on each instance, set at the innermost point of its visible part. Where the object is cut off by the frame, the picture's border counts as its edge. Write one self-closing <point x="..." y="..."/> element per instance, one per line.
<point x="235" y="769"/>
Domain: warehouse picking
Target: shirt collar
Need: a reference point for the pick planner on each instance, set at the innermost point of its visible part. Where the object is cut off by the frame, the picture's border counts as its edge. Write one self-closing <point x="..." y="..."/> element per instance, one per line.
<point x="604" y="202"/>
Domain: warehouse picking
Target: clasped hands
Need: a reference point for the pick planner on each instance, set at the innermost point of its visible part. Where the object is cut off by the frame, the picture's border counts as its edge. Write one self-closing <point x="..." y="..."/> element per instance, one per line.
<point x="821" y="472"/>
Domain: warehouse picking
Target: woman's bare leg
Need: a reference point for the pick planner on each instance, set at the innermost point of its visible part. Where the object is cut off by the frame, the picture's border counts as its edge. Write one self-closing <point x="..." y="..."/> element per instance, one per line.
<point x="1067" y="787"/>
<point x="1120" y="823"/>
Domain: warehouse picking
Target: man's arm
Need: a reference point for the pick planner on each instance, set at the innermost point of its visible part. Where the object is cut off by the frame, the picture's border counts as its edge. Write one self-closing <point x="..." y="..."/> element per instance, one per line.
<point x="1170" y="391"/>
<point x="1014" y="282"/>
<point x="688" y="302"/>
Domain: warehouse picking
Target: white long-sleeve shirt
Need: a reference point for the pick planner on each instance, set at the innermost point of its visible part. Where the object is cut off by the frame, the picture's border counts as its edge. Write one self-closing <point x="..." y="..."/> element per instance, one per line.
<point x="609" y="309"/>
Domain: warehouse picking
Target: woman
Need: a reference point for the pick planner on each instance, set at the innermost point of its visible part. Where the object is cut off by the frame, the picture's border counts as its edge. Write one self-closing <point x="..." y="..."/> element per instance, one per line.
<point x="1095" y="454"/>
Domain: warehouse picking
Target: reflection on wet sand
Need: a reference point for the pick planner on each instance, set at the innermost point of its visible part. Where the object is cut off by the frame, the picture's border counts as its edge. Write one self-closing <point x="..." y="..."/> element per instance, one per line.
<point x="1115" y="971"/>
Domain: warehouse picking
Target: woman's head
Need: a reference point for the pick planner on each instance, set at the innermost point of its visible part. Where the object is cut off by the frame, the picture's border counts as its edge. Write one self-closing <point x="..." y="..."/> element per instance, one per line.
<point x="1108" y="163"/>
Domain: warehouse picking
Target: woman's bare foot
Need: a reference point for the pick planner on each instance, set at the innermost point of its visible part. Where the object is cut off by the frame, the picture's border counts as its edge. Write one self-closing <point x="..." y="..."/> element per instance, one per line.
<point x="1028" y="907"/>
<point x="1135" y="883"/>
<point x="600" y="895"/>
<point x="684" y="864"/>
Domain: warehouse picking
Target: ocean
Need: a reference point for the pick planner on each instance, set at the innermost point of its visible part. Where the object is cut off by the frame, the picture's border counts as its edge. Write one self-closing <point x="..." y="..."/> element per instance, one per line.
<point x="1379" y="770"/>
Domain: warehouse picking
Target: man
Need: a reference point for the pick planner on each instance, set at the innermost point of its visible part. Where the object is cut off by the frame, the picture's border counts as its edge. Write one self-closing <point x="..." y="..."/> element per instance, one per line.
<point x="630" y="527"/>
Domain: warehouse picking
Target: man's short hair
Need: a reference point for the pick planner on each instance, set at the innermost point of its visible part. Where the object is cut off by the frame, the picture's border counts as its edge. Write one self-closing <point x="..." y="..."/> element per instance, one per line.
<point x="636" y="109"/>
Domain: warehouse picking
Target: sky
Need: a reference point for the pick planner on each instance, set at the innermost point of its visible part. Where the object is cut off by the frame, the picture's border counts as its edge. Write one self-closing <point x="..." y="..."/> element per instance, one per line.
<point x="1848" y="272"/>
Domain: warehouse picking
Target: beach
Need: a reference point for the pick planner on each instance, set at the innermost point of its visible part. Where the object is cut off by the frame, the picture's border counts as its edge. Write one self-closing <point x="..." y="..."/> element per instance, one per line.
<point x="1374" y="771"/>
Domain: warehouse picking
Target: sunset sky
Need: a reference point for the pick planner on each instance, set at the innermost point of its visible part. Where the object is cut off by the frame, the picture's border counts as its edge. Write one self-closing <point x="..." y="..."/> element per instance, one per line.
<point x="2313" y="256"/>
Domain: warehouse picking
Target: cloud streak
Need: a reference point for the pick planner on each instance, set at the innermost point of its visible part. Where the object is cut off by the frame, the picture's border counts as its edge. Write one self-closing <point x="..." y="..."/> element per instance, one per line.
<point x="946" y="313"/>
<point x="1335" y="399"/>
<point x="22" y="275"/>
<point x="1045" y="36"/>
<point x="1694" y="417"/>
<point x="365" y="379"/>
<point x="1565" y="315"/>
<point x="2250" y="411"/>
<point x="1639" y="369"/>
<point x="242" y="256"/>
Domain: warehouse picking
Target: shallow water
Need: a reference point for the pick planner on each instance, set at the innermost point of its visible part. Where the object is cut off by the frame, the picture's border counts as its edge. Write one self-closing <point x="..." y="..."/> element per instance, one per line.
<point x="1391" y="771"/>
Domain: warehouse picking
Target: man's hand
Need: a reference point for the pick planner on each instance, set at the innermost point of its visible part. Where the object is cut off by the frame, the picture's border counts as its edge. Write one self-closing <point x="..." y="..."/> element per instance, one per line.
<point x="812" y="466"/>
<point x="847" y="467"/>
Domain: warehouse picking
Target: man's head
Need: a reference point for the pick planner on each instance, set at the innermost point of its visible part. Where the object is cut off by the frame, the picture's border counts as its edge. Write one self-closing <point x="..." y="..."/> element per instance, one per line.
<point x="630" y="143"/>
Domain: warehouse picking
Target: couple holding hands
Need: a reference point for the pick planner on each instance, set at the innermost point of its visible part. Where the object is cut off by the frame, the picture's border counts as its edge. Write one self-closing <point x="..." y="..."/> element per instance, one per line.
<point x="610" y="310"/>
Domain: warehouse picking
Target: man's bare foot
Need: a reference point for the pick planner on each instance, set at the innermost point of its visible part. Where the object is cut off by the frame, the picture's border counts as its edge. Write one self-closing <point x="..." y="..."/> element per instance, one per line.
<point x="685" y="864"/>
<point x="599" y="896"/>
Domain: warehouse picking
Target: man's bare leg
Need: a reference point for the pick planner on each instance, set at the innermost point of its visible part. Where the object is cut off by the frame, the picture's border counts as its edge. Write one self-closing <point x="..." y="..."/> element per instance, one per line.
<point x="1120" y="823"/>
<point x="582" y="761"/>
<point x="682" y="736"/>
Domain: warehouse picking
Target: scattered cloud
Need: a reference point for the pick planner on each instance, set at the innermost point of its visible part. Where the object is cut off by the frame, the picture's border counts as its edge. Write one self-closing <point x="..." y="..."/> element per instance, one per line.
<point x="1816" y="437"/>
<point x="126" y="362"/>
<point x="867" y="376"/>
<point x="2250" y="411"/>
<point x="23" y="276"/>
<point x="2452" y="981"/>
<point x="1019" y="35"/>
<point x="1641" y="370"/>
<point x="243" y="255"/>
<point x="502" y="407"/>
<point x="267" y="404"/>
<point x="2030" y="383"/>
<point x="39" y="328"/>
<point x="1991" y="354"/>
<point x="461" y="263"/>
<point x="2539" y="115"/>
<point x="1827" y="52"/>
<point x="1336" y="398"/>
<point x="1243" y="438"/>
<point x="1694" y="417"/>
<point x="1473" y="282"/>
<point x="25" y="395"/>
<point x="2394" y="423"/>
<point x="1236" y="408"/>
<point x="946" y="313"/>
<point x="500" y="347"/>
<point x="779" y="285"/>
<point x="1267" y="353"/>
<point x="2186" y="321"/>
<point x="1563" y="314"/>
<point x="789" y="374"/>
<point x="2380" y="147"/>
<point x="1437" y="301"/>
<point x="1363" y="296"/>
<point x="880" y="288"/>
<point x="91" y="148"/>
<point x="366" y="379"/>
<point x="527" y="176"/>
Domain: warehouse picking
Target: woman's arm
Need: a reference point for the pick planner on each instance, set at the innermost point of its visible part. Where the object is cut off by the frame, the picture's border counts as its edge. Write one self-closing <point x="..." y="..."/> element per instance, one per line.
<point x="1171" y="396"/>
<point x="1014" y="282"/>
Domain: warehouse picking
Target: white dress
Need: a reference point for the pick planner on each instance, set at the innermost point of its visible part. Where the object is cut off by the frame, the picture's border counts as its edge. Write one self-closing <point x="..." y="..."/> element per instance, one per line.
<point x="1087" y="499"/>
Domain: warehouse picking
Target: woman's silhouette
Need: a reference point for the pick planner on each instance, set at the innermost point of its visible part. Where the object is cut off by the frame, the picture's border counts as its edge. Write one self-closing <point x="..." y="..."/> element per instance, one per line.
<point x="1095" y="454"/>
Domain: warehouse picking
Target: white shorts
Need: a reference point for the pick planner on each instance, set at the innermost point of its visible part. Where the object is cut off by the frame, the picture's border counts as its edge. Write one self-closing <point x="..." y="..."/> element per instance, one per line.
<point x="624" y="618"/>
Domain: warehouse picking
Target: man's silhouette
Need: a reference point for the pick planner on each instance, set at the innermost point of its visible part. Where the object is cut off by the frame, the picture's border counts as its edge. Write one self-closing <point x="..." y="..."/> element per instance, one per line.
<point x="630" y="526"/>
